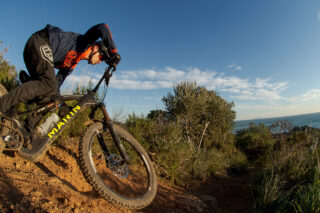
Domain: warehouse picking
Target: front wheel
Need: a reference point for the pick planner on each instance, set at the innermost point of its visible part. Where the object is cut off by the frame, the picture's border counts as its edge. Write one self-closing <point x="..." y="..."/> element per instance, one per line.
<point x="132" y="185"/>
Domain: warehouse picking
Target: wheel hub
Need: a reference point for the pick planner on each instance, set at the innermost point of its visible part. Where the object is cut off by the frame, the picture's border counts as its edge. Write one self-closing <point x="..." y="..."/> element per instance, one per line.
<point x="117" y="166"/>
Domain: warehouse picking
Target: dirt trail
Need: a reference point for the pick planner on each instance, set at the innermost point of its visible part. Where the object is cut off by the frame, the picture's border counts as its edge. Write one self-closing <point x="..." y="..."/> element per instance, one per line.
<point x="56" y="184"/>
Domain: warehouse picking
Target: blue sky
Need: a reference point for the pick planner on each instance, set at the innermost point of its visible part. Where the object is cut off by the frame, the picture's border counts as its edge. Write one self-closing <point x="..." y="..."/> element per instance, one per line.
<point x="261" y="54"/>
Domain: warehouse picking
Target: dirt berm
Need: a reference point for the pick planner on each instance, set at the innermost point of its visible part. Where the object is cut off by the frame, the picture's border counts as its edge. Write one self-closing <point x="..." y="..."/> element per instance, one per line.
<point x="56" y="184"/>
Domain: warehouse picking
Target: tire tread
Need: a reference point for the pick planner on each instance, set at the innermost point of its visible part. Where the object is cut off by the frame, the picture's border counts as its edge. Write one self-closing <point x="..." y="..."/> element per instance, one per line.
<point x="93" y="179"/>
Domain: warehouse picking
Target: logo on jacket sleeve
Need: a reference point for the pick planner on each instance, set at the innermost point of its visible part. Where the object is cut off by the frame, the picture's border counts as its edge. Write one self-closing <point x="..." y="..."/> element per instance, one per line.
<point x="46" y="54"/>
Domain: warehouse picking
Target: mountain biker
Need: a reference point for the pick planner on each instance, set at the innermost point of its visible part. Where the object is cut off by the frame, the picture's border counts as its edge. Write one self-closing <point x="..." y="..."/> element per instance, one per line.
<point x="52" y="48"/>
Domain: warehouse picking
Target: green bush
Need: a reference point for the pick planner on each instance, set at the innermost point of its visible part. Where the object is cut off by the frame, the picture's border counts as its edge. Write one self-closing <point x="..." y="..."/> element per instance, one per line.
<point x="296" y="164"/>
<point x="289" y="166"/>
<point x="270" y="192"/>
<point x="8" y="72"/>
<point x="206" y="118"/>
<point x="192" y="138"/>
<point x="305" y="134"/>
<point x="290" y="180"/>
<point x="162" y="140"/>
<point x="256" y="142"/>
<point x="307" y="199"/>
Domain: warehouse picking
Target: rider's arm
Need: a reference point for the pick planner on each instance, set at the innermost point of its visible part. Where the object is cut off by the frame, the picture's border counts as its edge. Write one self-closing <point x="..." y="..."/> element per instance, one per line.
<point x="101" y="31"/>
<point x="61" y="76"/>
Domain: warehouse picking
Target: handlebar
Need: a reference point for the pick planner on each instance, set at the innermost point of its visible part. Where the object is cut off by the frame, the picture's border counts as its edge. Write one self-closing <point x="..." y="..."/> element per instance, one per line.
<point x="108" y="73"/>
<point x="106" y="76"/>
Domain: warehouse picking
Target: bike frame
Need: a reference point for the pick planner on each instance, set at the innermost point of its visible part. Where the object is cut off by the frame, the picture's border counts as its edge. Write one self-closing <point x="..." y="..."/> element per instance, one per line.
<point x="40" y="145"/>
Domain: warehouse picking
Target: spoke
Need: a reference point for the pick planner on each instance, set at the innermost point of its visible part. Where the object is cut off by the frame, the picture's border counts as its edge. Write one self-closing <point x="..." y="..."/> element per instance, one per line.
<point x="127" y="180"/>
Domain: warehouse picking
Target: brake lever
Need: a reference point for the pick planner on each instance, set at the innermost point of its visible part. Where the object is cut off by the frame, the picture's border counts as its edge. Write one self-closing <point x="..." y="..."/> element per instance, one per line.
<point x="109" y="73"/>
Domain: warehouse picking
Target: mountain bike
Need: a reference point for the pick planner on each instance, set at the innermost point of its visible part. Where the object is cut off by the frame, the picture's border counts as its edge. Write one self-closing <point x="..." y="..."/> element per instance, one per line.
<point x="111" y="159"/>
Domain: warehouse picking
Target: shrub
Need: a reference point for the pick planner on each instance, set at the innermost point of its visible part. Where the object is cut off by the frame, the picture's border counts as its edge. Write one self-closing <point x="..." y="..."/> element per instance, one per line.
<point x="269" y="192"/>
<point x="8" y="72"/>
<point x="256" y="142"/>
<point x="303" y="134"/>
<point x="307" y="199"/>
<point x="162" y="140"/>
<point x="291" y="178"/>
<point x="192" y="138"/>
<point x="206" y="121"/>
<point x="206" y="118"/>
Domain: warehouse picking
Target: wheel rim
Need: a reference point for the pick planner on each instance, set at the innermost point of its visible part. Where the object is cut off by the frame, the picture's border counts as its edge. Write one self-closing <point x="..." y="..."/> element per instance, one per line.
<point x="126" y="181"/>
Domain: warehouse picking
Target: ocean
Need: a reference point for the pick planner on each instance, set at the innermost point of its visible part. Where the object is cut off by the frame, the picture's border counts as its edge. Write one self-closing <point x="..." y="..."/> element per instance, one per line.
<point x="312" y="119"/>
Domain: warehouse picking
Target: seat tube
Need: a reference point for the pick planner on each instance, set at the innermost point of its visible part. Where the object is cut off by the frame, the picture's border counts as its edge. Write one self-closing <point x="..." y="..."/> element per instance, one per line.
<point x="115" y="136"/>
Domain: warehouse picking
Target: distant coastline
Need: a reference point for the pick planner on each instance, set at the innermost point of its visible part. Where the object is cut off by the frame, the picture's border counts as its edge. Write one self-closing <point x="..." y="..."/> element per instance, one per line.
<point x="277" y="117"/>
<point x="310" y="119"/>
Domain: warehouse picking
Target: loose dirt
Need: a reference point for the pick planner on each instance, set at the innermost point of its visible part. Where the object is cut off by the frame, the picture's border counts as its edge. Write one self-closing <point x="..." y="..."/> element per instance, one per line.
<point x="56" y="184"/>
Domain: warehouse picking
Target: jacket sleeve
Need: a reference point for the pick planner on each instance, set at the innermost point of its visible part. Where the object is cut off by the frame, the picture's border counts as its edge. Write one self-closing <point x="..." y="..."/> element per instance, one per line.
<point x="61" y="76"/>
<point x="101" y="31"/>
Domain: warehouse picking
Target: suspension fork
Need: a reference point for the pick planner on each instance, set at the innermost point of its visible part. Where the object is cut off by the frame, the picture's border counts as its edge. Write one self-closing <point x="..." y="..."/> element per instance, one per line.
<point x="115" y="136"/>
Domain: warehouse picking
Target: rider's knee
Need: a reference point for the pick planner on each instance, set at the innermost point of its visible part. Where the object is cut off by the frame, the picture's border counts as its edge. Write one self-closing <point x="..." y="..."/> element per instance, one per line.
<point x="50" y="87"/>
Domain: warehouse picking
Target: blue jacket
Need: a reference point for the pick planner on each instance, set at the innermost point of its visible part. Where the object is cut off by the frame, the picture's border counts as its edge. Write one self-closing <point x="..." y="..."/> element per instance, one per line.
<point x="68" y="47"/>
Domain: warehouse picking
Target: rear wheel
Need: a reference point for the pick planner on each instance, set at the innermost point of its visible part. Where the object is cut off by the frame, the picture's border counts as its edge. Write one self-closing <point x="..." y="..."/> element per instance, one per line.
<point x="132" y="186"/>
<point x="3" y="91"/>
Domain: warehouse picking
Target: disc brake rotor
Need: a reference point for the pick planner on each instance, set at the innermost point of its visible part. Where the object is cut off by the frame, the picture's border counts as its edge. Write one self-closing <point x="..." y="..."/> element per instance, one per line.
<point x="117" y="166"/>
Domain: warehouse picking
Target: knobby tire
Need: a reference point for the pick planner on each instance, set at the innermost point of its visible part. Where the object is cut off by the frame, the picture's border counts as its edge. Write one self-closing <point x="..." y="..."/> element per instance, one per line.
<point x="118" y="190"/>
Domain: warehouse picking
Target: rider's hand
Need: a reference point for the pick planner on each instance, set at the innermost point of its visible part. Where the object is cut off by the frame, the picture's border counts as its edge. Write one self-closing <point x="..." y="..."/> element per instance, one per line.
<point x="114" y="59"/>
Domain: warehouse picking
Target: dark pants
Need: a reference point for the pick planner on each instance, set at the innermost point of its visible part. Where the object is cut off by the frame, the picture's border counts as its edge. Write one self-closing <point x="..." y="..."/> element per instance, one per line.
<point x="38" y="58"/>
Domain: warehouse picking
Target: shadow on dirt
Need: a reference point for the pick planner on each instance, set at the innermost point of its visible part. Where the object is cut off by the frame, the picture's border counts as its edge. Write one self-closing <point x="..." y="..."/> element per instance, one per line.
<point x="225" y="194"/>
<point x="220" y="194"/>
<point x="57" y="161"/>
<point x="62" y="164"/>
<point x="70" y="152"/>
<point x="166" y="201"/>
<point x="51" y="174"/>
<point x="11" y="198"/>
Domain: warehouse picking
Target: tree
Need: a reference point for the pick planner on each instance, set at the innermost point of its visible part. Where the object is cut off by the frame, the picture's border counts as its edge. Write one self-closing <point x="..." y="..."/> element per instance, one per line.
<point x="207" y="121"/>
<point x="158" y="115"/>
<point x="8" y="72"/>
<point x="82" y="89"/>
<point x="192" y="137"/>
<point x="206" y="117"/>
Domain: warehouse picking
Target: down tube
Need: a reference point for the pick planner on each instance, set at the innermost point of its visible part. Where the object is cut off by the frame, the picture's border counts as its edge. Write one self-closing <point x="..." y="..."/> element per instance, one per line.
<point x="65" y="121"/>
